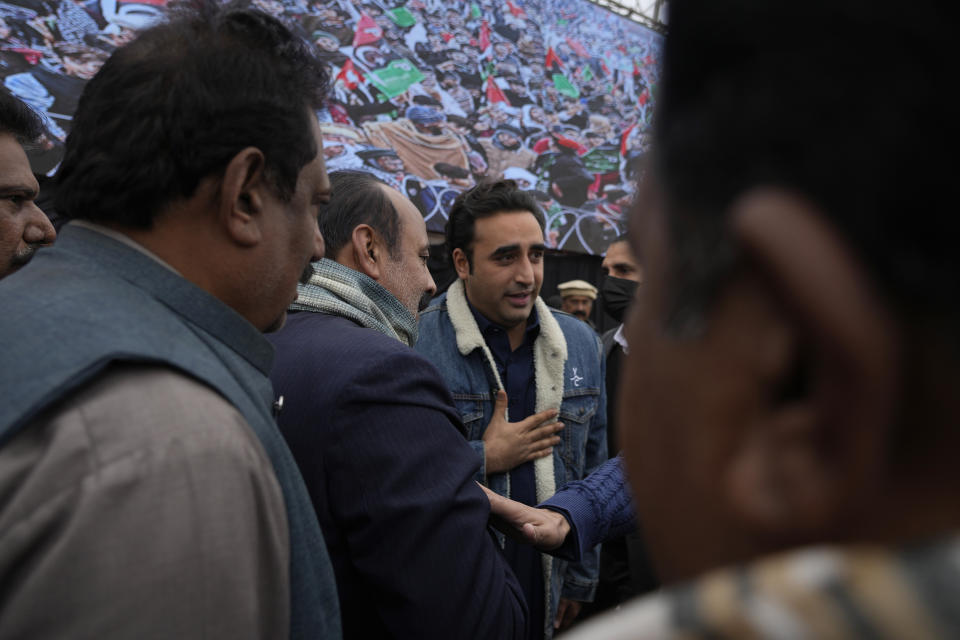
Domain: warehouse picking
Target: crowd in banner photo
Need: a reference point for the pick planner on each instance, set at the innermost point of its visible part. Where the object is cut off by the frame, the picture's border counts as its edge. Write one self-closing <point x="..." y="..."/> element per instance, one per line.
<point x="429" y="95"/>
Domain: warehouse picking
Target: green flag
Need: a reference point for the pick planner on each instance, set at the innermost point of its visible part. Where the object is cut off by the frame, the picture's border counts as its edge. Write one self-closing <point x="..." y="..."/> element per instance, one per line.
<point x="564" y="86"/>
<point x="603" y="159"/>
<point x="396" y="77"/>
<point x="475" y="10"/>
<point x="402" y="17"/>
<point x="586" y="73"/>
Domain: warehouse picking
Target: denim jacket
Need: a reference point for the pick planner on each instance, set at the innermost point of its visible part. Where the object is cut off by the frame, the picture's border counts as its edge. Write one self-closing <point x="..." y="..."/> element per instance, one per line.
<point x="569" y="369"/>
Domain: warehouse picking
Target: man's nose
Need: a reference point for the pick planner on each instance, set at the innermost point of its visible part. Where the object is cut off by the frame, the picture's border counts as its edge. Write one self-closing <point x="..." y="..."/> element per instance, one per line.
<point x="524" y="272"/>
<point x="39" y="229"/>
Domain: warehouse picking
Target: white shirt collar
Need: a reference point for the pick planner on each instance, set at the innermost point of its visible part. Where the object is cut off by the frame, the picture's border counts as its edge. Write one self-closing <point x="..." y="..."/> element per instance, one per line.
<point x="621" y="339"/>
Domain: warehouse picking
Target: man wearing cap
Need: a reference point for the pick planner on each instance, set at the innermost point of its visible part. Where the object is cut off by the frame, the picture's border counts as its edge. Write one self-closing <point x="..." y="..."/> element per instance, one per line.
<point x="385" y="164"/>
<point x="420" y="140"/>
<point x="506" y="149"/>
<point x="578" y="297"/>
<point x="524" y="179"/>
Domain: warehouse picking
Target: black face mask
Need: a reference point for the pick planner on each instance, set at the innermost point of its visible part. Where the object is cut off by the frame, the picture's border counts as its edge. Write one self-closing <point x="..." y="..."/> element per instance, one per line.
<point x="617" y="295"/>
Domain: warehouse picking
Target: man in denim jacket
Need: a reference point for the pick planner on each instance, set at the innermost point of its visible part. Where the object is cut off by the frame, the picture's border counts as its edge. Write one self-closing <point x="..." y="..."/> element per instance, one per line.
<point x="501" y="349"/>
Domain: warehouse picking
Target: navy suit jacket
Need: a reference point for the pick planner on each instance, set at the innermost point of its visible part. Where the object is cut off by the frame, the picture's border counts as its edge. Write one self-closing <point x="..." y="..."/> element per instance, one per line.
<point x="377" y="438"/>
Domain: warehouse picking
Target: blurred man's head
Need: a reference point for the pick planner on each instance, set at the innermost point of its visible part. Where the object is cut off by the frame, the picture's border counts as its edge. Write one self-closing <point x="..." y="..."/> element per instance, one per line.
<point x="199" y="141"/>
<point x="793" y="354"/>
<point x="577" y="297"/>
<point x="372" y="228"/>
<point x="23" y="227"/>
<point x="495" y="238"/>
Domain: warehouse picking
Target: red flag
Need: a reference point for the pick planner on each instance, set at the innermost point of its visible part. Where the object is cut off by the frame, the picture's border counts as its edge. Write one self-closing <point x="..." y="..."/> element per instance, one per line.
<point x="367" y="31"/>
<point x="484" y="35"/>
<point x="30" y="55"/>
<point x="649" y="60"/>
<point x="515" y="10"/>
<point x="606" y="69"/>
<point x="447" y="37"/>
<point x="644" y="97"/>
<point x="494" y="93"/>
<point x="579" y="48"/>
<point x="552" y="58"/>
<point x="347" y="71"/>
<point x="636" y="69"/>
<point x="623" y="140"/>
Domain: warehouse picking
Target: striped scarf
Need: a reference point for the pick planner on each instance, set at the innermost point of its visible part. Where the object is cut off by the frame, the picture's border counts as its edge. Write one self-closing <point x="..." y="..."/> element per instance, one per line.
<point x="340" y="291"/>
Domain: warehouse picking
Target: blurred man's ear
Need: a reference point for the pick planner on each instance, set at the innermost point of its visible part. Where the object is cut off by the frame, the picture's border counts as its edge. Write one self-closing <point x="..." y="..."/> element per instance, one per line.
<point x="825" y="362"/>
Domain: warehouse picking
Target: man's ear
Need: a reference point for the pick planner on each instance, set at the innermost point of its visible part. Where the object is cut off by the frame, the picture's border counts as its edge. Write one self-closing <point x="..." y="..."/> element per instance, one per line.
<point x="816" y="449"/>
<point x="241" y="197"/>
<point x="367" y="251"/>
<point x="461" y="263"/>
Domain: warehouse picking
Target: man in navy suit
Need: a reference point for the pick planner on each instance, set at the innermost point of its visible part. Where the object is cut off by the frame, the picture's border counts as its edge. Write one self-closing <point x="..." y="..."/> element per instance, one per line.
<point x="376" y="435"/>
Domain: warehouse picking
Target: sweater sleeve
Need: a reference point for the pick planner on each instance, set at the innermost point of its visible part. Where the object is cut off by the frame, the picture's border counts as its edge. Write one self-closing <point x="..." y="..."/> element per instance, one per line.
<point x="598" y="508"/>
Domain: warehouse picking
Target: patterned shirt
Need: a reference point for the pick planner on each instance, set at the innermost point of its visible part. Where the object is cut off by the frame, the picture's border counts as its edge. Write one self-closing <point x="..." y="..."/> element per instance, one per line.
<point x="821" y="592"/>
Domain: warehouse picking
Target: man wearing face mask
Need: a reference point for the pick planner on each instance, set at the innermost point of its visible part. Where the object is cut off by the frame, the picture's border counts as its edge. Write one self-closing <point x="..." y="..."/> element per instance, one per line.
<point x="625" y="570"/>
<point x="623" y="274"/>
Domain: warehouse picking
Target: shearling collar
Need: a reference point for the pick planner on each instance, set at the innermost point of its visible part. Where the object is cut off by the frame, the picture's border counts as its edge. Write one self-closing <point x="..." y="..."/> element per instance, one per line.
<point x="549" y="357"/>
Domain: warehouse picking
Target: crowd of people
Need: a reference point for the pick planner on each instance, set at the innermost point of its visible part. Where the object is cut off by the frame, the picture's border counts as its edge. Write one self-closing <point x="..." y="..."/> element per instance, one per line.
<point x="428" y="96"/>
<point x="234" y="407"/>
<point x="433" y="97"/>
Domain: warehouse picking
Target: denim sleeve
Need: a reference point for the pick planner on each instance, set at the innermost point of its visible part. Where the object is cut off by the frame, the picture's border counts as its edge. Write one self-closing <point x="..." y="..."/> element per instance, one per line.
<point x="580" y="579"/>
<point x="481" y="474"/>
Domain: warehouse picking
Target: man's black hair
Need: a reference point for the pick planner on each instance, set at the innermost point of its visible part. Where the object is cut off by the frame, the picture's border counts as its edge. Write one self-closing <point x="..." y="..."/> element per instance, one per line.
<point x="482" y="201"/>
<point x="840" y="101"/>
<point x="358" y="198"/>
<point x="178" y="103"/>
<point x="18" y="119"/>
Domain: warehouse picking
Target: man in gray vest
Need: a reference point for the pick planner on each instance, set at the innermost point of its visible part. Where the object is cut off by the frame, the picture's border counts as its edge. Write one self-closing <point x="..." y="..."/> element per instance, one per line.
<point x="146" y="489"/>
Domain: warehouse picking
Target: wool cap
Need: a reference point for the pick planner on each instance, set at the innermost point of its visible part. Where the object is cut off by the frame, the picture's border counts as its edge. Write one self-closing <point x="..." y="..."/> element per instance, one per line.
<point x="577" y="288"/>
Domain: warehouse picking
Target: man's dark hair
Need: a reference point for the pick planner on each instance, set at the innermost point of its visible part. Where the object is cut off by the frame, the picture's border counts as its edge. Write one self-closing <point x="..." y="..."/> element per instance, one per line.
<point x="482" y="201"/>
<point x="802" y="96"/>
<point x="177" y="104"/>
<point x="358" y="198"/>
<point x="17" y="119"/>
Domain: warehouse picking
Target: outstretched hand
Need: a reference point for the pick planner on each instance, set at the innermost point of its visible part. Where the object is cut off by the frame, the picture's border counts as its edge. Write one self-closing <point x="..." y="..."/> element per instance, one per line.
<point x="544" y="529"/>
<point x="509" y="444"/>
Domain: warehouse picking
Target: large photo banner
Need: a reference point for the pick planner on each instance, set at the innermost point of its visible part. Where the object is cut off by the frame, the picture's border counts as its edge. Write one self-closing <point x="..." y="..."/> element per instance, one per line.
<point x="429" y="95"/>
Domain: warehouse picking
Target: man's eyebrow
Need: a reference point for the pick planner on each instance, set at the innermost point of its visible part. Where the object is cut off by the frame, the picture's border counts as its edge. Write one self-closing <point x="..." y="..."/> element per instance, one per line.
<point x="22" y="190"/>
<point x="510" y="248"/>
